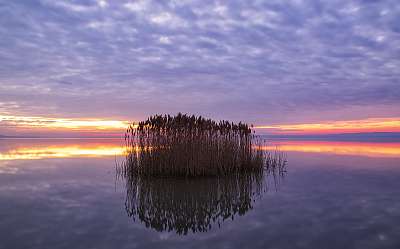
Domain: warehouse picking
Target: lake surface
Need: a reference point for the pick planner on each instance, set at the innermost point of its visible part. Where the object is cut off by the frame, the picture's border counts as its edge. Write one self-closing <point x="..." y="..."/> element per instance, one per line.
<point x="65" y="193"/>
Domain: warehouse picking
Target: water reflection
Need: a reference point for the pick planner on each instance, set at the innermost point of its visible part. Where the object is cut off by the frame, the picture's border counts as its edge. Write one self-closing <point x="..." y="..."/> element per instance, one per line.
<point x="341" y="148"/>
<point x="41" y="149"/>
<point x="190" y="205"/>
<point x="29" y="149"/>
<point x="324" y="196"/>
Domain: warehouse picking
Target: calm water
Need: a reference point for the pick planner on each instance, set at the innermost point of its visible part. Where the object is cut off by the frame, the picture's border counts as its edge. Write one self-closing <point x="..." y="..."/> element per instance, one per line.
<point x="65" y="194"/>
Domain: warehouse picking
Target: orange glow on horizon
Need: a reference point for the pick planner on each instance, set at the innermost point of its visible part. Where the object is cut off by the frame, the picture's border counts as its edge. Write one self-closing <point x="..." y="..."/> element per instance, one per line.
<point x="23" y="122"/>
<point x="46" y="124"/>
<point x="352" y="126"/>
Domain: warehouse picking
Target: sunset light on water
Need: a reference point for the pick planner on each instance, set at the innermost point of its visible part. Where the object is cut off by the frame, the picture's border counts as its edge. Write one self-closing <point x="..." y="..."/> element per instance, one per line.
<point x="25" y="150"/>
<point x="342" y="148"/>
<point x="61" y="151"/>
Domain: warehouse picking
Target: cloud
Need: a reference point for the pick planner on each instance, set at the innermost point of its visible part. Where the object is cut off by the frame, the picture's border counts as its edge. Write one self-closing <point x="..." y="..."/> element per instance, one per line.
<point x="263" y="62"/>
<point x="74" y="7"/>
<point x="59" y="123"/>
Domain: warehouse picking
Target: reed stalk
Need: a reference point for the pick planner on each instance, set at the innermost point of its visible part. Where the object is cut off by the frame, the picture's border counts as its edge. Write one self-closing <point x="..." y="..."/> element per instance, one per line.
<point x="191" y="146"/>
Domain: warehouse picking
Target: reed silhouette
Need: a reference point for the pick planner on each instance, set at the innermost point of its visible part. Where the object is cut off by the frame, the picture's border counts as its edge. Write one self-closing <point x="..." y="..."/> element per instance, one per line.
<point x="191" y="146"/>
<point x="185" y="173"/>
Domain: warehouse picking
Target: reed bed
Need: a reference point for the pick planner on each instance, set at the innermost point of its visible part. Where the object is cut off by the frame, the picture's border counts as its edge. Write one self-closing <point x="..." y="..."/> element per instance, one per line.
<point x="191" y="146"/>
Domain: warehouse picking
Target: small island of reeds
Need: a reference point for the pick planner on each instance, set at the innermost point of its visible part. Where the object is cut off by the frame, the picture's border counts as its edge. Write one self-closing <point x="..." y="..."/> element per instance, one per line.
<point x="192" y="146"/>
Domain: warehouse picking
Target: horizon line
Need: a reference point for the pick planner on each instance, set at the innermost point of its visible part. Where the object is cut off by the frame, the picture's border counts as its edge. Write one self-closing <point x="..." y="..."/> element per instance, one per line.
<point x="36" y="124"/>
<point x="274" y="135"/>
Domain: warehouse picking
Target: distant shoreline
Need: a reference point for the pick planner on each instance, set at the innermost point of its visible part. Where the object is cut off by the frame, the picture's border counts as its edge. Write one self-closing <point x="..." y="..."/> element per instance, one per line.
<point x="44" y="137"/>
<point x="367" y="137"/>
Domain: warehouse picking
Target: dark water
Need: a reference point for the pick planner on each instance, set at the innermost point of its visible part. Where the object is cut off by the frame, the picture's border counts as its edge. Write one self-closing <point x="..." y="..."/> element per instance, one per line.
<point x="65" y="194"/>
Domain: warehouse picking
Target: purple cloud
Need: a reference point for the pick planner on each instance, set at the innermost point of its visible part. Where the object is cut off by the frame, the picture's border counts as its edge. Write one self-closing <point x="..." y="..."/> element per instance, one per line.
<point x="258" y="61"/>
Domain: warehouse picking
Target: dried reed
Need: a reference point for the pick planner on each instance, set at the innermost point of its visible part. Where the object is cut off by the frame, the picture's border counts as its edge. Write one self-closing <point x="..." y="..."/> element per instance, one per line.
<point x="191" y="146"/>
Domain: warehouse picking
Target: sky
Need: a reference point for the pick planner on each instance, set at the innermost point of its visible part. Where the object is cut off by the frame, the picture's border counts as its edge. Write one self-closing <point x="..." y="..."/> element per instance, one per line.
<point x="97" y="65"/>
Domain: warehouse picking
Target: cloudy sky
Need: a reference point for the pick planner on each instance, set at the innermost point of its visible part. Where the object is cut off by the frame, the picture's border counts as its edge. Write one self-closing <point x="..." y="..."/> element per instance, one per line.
<point x="263" y="62"/>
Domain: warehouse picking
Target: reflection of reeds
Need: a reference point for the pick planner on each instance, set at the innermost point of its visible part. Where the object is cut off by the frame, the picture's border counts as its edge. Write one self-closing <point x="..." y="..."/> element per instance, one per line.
<point x="185" y="205"/>
<point x="191" y="146"/>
